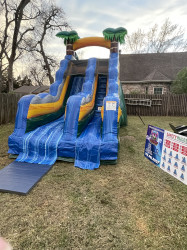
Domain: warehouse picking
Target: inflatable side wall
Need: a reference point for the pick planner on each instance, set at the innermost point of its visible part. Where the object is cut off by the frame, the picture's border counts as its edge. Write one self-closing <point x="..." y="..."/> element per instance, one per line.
<point x="114" y="112"/>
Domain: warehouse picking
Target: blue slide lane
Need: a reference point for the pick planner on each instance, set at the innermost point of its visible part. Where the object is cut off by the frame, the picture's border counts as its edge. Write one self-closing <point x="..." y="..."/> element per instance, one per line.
<point x="90" y="147"/>
<point x="15" y="140"/>
<point x="87" y="152"/>
<point x="36" y="144"/>
<point x="67" y="142"/>
<point x="40" y="146"/>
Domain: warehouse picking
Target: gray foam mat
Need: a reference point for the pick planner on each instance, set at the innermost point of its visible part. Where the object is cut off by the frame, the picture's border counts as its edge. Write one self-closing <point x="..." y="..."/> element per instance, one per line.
<point x="21" y="177"/>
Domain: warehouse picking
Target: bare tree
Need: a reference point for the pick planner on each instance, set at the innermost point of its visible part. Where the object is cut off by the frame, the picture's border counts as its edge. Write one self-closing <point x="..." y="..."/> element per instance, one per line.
<point x="37" y="76"/>
<point x="36" y="71"/>
<point x="16" y="25"/>
<point x="167" y="38"/>
<point x="15" y="41"/>
<point x="4" y="43"/>
<point x="135" y="42"/>
<point x="52" y="18"/>
<point x="28" y="26"/>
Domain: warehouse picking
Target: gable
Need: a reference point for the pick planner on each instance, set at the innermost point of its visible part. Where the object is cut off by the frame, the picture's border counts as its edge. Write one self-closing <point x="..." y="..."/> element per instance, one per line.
<point x="156" y="75"/>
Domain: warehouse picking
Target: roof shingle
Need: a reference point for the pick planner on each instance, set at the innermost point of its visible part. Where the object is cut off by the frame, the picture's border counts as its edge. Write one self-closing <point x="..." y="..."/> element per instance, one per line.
<point x="137" y="67"/>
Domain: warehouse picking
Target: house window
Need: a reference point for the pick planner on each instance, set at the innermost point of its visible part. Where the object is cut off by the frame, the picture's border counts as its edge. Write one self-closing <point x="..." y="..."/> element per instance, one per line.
<point x="158" y="91"/>
<point x="146" y="90"/>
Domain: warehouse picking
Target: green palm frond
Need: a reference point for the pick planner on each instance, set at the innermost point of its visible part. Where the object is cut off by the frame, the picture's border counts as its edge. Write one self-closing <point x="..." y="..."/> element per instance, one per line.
<point x="117" y="34"/>
<point x="72" y="36"/>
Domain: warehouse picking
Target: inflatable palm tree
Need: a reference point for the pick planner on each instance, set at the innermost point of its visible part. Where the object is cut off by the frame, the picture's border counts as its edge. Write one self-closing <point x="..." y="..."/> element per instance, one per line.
<point x="115" y="36"/>
<point x="69" y="38"/>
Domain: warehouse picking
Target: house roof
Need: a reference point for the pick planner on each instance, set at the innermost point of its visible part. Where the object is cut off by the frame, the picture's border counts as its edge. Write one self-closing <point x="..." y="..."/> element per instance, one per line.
<point x="151" y="67"/>
<point x="156" y="75"/>
<point x="136" y="68"/>
<point x="31" y="89"/>
<point x="41" y="89"/>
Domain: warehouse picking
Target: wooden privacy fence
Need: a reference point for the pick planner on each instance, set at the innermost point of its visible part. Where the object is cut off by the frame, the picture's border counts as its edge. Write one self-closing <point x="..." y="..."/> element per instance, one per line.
<point x="150" y="105"/>
<point x="156" y="105"/>
<point x="8" y="107"/>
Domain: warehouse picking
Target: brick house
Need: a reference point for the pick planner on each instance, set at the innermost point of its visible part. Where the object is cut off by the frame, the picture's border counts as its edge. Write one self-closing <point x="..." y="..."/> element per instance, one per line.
<point x="150" y="73"/>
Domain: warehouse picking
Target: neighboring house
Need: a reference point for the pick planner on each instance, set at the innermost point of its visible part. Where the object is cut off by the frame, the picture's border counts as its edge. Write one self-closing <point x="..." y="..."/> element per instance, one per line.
<point x="32" y="89"/>
<point x="150" y="73"/>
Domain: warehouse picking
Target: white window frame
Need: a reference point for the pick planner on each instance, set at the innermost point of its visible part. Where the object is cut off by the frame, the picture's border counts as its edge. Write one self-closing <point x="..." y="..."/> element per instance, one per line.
<point x="158" y="88"/>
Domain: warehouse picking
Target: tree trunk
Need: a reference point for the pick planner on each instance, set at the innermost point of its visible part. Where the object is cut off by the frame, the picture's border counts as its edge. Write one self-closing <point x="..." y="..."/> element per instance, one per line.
<point x="1" y="81"/>
<point x="18" y="19"/>
<point x="47" y="66"/>
<point x="10" y="76"/>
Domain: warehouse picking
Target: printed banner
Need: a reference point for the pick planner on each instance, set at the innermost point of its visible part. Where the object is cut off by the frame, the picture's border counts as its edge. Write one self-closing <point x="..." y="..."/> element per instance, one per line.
<point x="168" y="151"/>
<point x="154" y="144"/>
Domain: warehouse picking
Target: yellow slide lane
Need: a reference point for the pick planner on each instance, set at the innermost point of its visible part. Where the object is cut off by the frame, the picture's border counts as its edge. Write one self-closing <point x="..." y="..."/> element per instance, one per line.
<point x="47" y="108"/>
<point x="87" y="108"/>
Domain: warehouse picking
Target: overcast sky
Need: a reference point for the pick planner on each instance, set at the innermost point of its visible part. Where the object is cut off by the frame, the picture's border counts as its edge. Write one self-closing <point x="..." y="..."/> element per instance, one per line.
<point x="91" y="17"/>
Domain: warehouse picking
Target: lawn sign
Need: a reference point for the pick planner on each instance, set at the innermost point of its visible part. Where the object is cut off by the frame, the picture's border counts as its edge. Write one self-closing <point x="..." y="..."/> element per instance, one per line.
<point x="168" y="151"/>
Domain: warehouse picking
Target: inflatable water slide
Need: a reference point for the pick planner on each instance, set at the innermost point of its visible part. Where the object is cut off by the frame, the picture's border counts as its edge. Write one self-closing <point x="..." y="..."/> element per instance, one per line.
<point x="77" y="121"/>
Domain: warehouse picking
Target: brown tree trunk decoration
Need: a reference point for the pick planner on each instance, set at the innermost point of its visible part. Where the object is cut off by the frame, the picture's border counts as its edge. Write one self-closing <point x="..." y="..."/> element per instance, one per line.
<point x="69" y="48"/>
<point x="114" y="46"/>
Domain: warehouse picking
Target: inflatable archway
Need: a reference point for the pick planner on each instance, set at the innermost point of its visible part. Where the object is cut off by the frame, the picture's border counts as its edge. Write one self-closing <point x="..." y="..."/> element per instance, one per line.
<point x="109" y="41"/>
<point x="91" y="41"/>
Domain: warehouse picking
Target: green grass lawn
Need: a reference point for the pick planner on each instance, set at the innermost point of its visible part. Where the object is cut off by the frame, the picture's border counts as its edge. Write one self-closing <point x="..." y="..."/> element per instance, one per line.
<point x="131" y="205"/>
